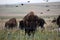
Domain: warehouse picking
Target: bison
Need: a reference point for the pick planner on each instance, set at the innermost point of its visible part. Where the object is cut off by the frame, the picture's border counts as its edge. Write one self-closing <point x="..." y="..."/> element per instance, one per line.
<point x="41" y="22"/>
<point x="58" y="21"/>
<point x="29" y="23"/>
<point x="11" y="23"/>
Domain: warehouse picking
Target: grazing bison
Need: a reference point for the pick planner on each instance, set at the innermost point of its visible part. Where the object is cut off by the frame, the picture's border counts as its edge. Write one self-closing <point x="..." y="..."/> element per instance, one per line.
<point x="58" y="21"/>
<point x="11" y="23"/>
<point x="41" y="22"/>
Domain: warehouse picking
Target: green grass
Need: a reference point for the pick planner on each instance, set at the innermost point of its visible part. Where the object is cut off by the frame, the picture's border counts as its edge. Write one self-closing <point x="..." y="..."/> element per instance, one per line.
<point x="19" y="35"/>
<point x="47" y="34"/>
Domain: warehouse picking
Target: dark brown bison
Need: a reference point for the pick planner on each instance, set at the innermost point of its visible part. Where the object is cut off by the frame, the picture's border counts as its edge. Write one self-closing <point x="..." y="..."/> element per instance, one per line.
<point x="30" y="23"/>
<point x="41" y="22"/>
<point x="58" y="21"/>
<point x="11" y="23"/>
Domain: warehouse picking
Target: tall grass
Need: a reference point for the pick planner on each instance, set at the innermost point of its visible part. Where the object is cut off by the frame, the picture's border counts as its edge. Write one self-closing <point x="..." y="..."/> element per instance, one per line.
<point x="20" y="35"/>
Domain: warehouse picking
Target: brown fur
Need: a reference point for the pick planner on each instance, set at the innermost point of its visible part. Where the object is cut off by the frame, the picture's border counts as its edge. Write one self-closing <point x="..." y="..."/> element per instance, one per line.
<point x="11" y="23"/>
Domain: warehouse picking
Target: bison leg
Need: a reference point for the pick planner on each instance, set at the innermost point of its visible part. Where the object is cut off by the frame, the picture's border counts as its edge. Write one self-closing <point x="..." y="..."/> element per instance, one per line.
<point x="42" y="27"/>
<point x="27" y="32"/>
<point x="33" y="32"/>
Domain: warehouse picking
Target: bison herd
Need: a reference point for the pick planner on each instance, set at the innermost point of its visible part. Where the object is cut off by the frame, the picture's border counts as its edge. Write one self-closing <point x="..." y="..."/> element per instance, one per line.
<point x="29" y="23"/>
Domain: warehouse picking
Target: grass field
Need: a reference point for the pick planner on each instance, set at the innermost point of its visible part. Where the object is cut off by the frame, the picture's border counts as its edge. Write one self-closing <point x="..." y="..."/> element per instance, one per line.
<point x="50" y="33"/>
<point x="19" y="35"/>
